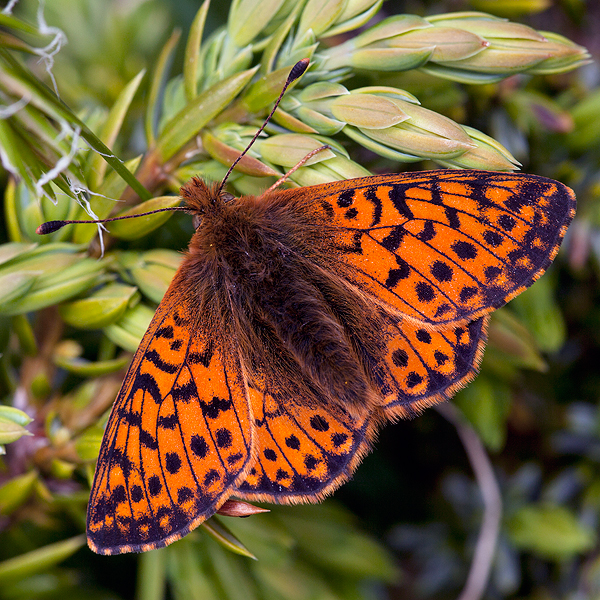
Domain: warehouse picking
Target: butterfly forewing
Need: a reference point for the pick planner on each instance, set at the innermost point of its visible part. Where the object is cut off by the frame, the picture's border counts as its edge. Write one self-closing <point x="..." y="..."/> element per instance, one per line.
<point x="178" y="438"/>
<point x="446" y="246"/>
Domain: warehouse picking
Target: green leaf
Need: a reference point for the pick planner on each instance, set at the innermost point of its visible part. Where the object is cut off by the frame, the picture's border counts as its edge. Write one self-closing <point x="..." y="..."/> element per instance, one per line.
<point x="293" y="580"/>
<point x="87" y="368"/>
<point x="353" y="22"/>
<point x="14" y="493"/>
<point x="13" y="249"/>
<point x="153" y="279"/>
<point x="152" y="575"/>
<point x="329" y="540"/>
<point x="57" y="110"/>
<point x="486" y="404"/>
<point x="54" y="286"/>
<point x="156" y="85"/>
<point x="207" y="105"/>
<point x="233" y="576"/>
<point x="15" y="285"/>
<point x="221" y="534"/>
<point x="367" y="110"/>
<point x="15" y="415"/>
<point x="247" y="18"/>
<point x="552" y="532"/>
<point x="192" y="52"/>
<point x="87" y="445"/>
<point x="188" y="579"/>
<point x="36" y="561"/>
<point x="133" y="229"/>
<point x="540" y="313"/>
<point x="12" y="424"/>
<point x="288" y="149"/>
<point x="10" y="22"/>
<point x="110" y="129"/>
<point x="319" y="15"/>
<point x="510" y="336"/>
<point x="129" y="330"/>
<point x="100" y="309"/>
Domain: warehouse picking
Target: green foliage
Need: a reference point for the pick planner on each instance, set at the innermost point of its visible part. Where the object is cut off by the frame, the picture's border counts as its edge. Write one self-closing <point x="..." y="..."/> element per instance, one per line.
<point x="137" y="115"/>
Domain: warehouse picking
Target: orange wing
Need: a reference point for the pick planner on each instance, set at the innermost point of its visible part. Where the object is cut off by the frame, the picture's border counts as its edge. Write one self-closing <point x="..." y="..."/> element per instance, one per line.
<point x="303" y="451"/>
<point x="446" y="246"/>
<point x="179" y="437"/>
<point x="425" y="366"/>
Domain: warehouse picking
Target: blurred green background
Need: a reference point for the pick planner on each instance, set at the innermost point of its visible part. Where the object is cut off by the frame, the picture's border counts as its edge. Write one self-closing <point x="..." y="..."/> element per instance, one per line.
<point x="406" y="526"/>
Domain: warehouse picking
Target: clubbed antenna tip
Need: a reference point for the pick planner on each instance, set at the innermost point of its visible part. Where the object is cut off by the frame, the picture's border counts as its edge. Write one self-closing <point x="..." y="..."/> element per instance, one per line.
<point x="50" y="227"/>
<point x="298" y="69"/>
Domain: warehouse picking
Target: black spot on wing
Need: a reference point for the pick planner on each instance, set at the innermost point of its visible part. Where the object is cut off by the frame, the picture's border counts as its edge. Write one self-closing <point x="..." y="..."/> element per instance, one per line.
<point x="441" y="271"/>
<point x="398" y="274"/>
<point x="319" y="423"/>
<point x="165" y="332"/>
<point x="345" y="198"/>
<point x="212" y="409"/>
<point x="172" y="462"/>
<point x="185" y="392"/>
<point x="202" y="358"/>
<point x="393" y="240"/>
<point x="154" y="485"/>
<point x="199" y="446"/>
<point x="147" y="384"/>
<point x="427" y="233"/>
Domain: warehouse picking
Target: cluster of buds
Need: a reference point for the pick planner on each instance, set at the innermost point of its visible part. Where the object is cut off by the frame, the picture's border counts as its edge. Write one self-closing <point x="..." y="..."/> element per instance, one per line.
<point x="390" y="122"/>
<point x="469" y="47"/>
<point x="273" y="156"/>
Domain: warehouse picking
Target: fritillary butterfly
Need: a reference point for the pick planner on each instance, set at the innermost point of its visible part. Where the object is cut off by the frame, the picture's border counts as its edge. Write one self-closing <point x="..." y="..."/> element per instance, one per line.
<point x="298" y="323"/>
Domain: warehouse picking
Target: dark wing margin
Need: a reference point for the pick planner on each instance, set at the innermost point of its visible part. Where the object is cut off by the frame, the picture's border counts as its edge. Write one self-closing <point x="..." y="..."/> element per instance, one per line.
<point x="179" y="437"/>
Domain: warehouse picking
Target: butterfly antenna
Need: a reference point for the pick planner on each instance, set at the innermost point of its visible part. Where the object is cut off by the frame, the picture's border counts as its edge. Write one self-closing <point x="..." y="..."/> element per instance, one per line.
<point x="297" y="70"/>
<point x="52" y="226"/>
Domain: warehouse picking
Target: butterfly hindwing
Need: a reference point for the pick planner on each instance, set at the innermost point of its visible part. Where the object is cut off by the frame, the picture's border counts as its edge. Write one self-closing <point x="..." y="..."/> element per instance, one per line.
<point x="446" y="246"/>
<point x="303" y="451"/>
<point x="178" y="438"/>
<point x="425" y="366"/>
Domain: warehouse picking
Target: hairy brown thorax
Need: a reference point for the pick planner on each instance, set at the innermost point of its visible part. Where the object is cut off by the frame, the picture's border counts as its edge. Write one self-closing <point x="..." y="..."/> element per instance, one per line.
<point x="269" y="276"/>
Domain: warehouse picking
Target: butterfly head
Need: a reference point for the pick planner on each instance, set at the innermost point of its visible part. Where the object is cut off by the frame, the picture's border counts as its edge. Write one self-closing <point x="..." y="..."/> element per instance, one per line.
<point x="202" y="199"/>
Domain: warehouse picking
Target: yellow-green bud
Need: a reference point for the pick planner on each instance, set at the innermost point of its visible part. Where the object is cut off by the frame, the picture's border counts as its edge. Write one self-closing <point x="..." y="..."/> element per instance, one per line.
<point x="486" y="153"/>
<point x="12" y="424"/>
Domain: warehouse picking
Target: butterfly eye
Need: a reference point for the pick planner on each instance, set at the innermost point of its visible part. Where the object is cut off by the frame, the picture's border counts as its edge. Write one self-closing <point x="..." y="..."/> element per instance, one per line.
<point x="196" y="221"/>
<point x="227" y="197"/>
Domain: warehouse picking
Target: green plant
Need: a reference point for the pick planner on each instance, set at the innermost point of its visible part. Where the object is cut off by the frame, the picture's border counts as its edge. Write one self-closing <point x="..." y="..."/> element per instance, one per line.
<point x="70" y="307"/>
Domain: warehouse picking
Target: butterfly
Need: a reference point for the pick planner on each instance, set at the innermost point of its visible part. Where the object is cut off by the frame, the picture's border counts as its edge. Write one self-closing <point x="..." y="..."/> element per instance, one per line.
<point x="299" y="322"/>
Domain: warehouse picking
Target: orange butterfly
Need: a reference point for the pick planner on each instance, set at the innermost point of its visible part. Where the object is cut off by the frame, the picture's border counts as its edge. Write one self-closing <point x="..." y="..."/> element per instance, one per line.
<point x="298" y="323"/>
